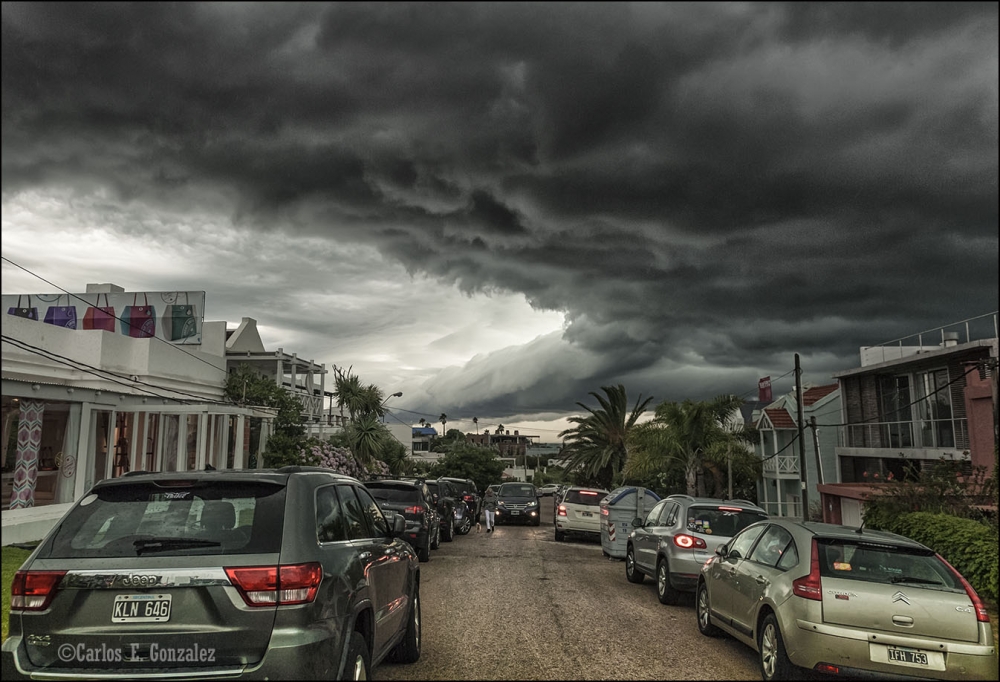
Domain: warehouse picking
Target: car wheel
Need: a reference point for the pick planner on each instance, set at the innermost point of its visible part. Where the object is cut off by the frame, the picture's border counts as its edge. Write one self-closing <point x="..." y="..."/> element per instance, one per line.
<point x="774" y="663"/>
<point x="408" y="650"/>
<point x="560" y="536"/>
<point x="449" y="530"/>
<point x="424" y="553"/>
<point x="666" y="594"/>
<point x="703" y="610"/>
<point x="466" y="525"/>
<point x="632" y="572"/>
<point x="358" y="664"/>
<point x="437" y="538"/>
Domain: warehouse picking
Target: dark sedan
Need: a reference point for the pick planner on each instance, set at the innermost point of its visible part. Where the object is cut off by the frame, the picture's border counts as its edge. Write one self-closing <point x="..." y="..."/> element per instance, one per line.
<point x="414" y="502"/>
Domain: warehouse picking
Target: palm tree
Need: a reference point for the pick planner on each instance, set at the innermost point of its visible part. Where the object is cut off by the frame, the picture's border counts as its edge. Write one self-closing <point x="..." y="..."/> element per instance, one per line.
<point x="444" y="422"/>
<point x="366" y="439"/>
<point x="692" y="434"/>
<point x="598" y="444"/>
<point x="422" y="422"/>
<point x="475" y="420"/>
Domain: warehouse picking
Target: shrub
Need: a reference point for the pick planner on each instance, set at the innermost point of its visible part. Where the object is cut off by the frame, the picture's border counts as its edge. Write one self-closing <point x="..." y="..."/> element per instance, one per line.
<point x="969" y="546"/>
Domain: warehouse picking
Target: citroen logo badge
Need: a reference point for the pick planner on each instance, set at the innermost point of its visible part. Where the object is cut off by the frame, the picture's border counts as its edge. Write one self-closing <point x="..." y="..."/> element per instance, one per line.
<point x="899" y="596"/>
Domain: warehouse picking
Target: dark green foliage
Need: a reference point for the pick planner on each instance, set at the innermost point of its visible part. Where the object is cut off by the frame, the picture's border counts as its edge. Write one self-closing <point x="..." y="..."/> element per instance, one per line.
<point x="464" y="460"/>
<point x="969" y="546"/>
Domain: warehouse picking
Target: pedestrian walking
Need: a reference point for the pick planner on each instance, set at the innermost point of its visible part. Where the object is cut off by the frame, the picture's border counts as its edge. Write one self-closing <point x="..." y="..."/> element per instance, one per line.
<point x="490" y="506"/>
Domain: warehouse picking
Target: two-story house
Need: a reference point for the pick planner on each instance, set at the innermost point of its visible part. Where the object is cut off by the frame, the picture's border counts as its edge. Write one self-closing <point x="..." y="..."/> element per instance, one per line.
<point x="907" y="406"/>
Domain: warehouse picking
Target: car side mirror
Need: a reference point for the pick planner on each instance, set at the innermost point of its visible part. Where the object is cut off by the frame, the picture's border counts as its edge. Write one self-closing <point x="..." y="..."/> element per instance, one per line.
<point x="398" y="525"/>
<point x="722" y="551"/>
<point x="637" y="522"/>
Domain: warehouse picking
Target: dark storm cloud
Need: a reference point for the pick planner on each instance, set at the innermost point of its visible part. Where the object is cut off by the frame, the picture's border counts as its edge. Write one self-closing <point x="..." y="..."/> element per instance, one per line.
<point x="732" y="183"/>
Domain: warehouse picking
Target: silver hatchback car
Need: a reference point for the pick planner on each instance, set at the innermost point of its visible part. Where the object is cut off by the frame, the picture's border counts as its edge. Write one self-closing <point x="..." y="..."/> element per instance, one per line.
<point x="678" y="536"/>
<point x="845" y="601"/>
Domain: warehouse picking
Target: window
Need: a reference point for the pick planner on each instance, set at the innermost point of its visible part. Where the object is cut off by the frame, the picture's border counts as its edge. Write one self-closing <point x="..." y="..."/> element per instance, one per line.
<point x="741" y="544"/>
<point x="591" y="498"/>
<point x="331" y="525"/>
<point x="235" y="517"/>
<point x="772" y="546"/>
<point x="654" y="515"/>
<point x="885" y="564"/>
<point x="376" y="520"/>
<point x="670" y="509"/>
<point x="672" y="516"/>
<point x="726" y="522"/>
<point x="357" y="525"/>
<point x="387" y="492"/>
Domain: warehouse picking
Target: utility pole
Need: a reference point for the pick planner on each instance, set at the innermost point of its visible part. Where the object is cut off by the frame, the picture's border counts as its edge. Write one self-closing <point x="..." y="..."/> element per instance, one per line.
<point x="802" y="449"/>
<point x="819" y="461"/>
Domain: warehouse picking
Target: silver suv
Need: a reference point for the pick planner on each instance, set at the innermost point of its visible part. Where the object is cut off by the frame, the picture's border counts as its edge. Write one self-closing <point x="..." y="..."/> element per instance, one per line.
<point x="679" y="535"/>
<point x="285" y="574"/>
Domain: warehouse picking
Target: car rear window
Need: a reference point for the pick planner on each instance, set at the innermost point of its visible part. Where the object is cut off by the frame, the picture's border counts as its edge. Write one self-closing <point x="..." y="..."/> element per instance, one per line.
<point x="591" y="498"/>
<point x="394" y="493"/>
<point x="146" y="519"/>
<point x="872" y="562"/>
<point x="721" y="520"/>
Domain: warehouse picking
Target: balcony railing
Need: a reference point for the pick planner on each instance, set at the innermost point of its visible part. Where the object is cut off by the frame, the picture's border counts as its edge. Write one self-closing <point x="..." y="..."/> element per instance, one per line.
<point x="783" y="509"/>
<point x="924" y="433"/>
<point x="782" y="464"/>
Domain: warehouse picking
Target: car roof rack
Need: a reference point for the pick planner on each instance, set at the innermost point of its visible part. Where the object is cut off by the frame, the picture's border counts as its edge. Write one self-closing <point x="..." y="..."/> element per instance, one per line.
<point x="138" y="472"/>
<point x="680" y="495"/>
<point x="301" y="468"/>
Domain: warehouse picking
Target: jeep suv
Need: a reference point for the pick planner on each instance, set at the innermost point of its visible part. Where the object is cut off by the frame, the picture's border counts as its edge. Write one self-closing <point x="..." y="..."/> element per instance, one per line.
<point x="268" y="574"/>
<point x="414" y="502"/>
<point x="469" y="494"/>
<point x="679" y="535"/>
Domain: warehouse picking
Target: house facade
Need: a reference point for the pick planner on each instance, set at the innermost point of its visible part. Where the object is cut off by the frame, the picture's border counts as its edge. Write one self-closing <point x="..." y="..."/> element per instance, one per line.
<point x="779" y="490"/>
<point x="908" y="406"/>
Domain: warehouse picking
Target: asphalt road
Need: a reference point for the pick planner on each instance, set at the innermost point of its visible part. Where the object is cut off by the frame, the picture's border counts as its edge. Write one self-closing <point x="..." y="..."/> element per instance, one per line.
<point x="517" y="605"/>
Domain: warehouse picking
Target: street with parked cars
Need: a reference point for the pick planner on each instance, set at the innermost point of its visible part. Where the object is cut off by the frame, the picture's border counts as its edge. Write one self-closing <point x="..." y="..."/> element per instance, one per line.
<point x="356" y="583"/>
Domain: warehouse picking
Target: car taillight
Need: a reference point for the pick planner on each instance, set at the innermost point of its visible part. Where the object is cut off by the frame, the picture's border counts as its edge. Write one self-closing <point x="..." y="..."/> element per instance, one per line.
<point x="277" y="585"/>
<point x="413" y="510"/>
<point x="34" y="590"/>
<point x="981" y="614"/>
<point x="689" y="541"/>
<point x="562" y="510"/>
<point x="810" y="586"/>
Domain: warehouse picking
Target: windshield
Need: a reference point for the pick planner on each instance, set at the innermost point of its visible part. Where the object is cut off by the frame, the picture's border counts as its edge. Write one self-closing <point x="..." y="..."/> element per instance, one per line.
<point x="238" y="517"/>
<point x="516" y="490"/>
<point x="884" y="564"/>
<point x="720" y="520"/>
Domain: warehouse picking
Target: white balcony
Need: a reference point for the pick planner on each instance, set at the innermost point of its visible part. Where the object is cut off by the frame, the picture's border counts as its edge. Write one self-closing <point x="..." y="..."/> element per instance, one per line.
<point x="782" y="465"/>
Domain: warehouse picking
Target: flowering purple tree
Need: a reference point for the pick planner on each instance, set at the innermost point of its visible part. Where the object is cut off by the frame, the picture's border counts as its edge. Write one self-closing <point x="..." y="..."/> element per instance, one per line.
<point x="341" y="460"/>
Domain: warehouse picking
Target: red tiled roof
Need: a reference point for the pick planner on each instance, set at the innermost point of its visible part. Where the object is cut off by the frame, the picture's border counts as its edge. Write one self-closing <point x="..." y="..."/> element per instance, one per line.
<point x="817" y="393"/>
<point x="780" y="418"/>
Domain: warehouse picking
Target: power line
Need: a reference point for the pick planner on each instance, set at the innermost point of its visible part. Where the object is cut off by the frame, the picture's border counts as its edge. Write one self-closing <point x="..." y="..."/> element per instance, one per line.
<point x="90" y="370"/>
<point x="114" y="316"/>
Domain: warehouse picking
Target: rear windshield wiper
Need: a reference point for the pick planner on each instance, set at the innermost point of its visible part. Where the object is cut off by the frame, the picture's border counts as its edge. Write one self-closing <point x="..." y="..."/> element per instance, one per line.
<point x="167" y="544"/>
<point x="905" y="579"/>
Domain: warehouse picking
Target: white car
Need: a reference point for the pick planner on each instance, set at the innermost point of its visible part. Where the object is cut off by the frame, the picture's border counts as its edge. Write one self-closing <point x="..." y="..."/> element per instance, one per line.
<point x="579" y="512"/>
<point x="548" y="489"/>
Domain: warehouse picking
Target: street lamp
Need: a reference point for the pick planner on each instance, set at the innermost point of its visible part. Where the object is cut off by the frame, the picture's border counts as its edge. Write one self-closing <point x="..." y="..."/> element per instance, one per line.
<point x="397" y="394"/>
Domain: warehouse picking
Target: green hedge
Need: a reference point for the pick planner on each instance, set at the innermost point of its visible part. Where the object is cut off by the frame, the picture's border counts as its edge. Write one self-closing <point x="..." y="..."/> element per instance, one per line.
<point x="969" y="546"/>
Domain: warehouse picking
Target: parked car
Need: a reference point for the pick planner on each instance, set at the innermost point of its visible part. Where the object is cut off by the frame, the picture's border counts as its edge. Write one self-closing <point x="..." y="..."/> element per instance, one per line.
<point x="414" y="502"/>
<point x="841" y="600"/>
<point x="450" y="508"/>
<point x="579" y="511"/>
<point x="678" y="536"/>
<point x="518" y="502"/>
<point x="548" y="489"/>
<point x="278" y="573"/>
<point x="469" y="494"/>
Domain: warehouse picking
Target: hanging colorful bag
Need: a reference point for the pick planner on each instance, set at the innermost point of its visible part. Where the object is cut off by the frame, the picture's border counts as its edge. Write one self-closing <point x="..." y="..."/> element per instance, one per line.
<point x="28" y="313"/>
<point x="61" y="315"/>
<point x="100" y="317"/>
<point x="179" y="321"/>
<point x="139" y="321"/>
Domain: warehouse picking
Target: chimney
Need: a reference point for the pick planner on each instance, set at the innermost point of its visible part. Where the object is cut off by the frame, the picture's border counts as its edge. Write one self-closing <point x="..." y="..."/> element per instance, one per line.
<point x="950" y="339"/>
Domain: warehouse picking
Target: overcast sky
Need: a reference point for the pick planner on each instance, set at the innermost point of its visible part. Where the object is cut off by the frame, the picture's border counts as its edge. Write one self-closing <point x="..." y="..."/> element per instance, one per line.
<point x="498" y="208"/>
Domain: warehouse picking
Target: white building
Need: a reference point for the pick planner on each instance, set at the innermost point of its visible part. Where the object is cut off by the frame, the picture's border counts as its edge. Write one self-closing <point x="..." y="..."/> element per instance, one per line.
<point x="80" y="405"/>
